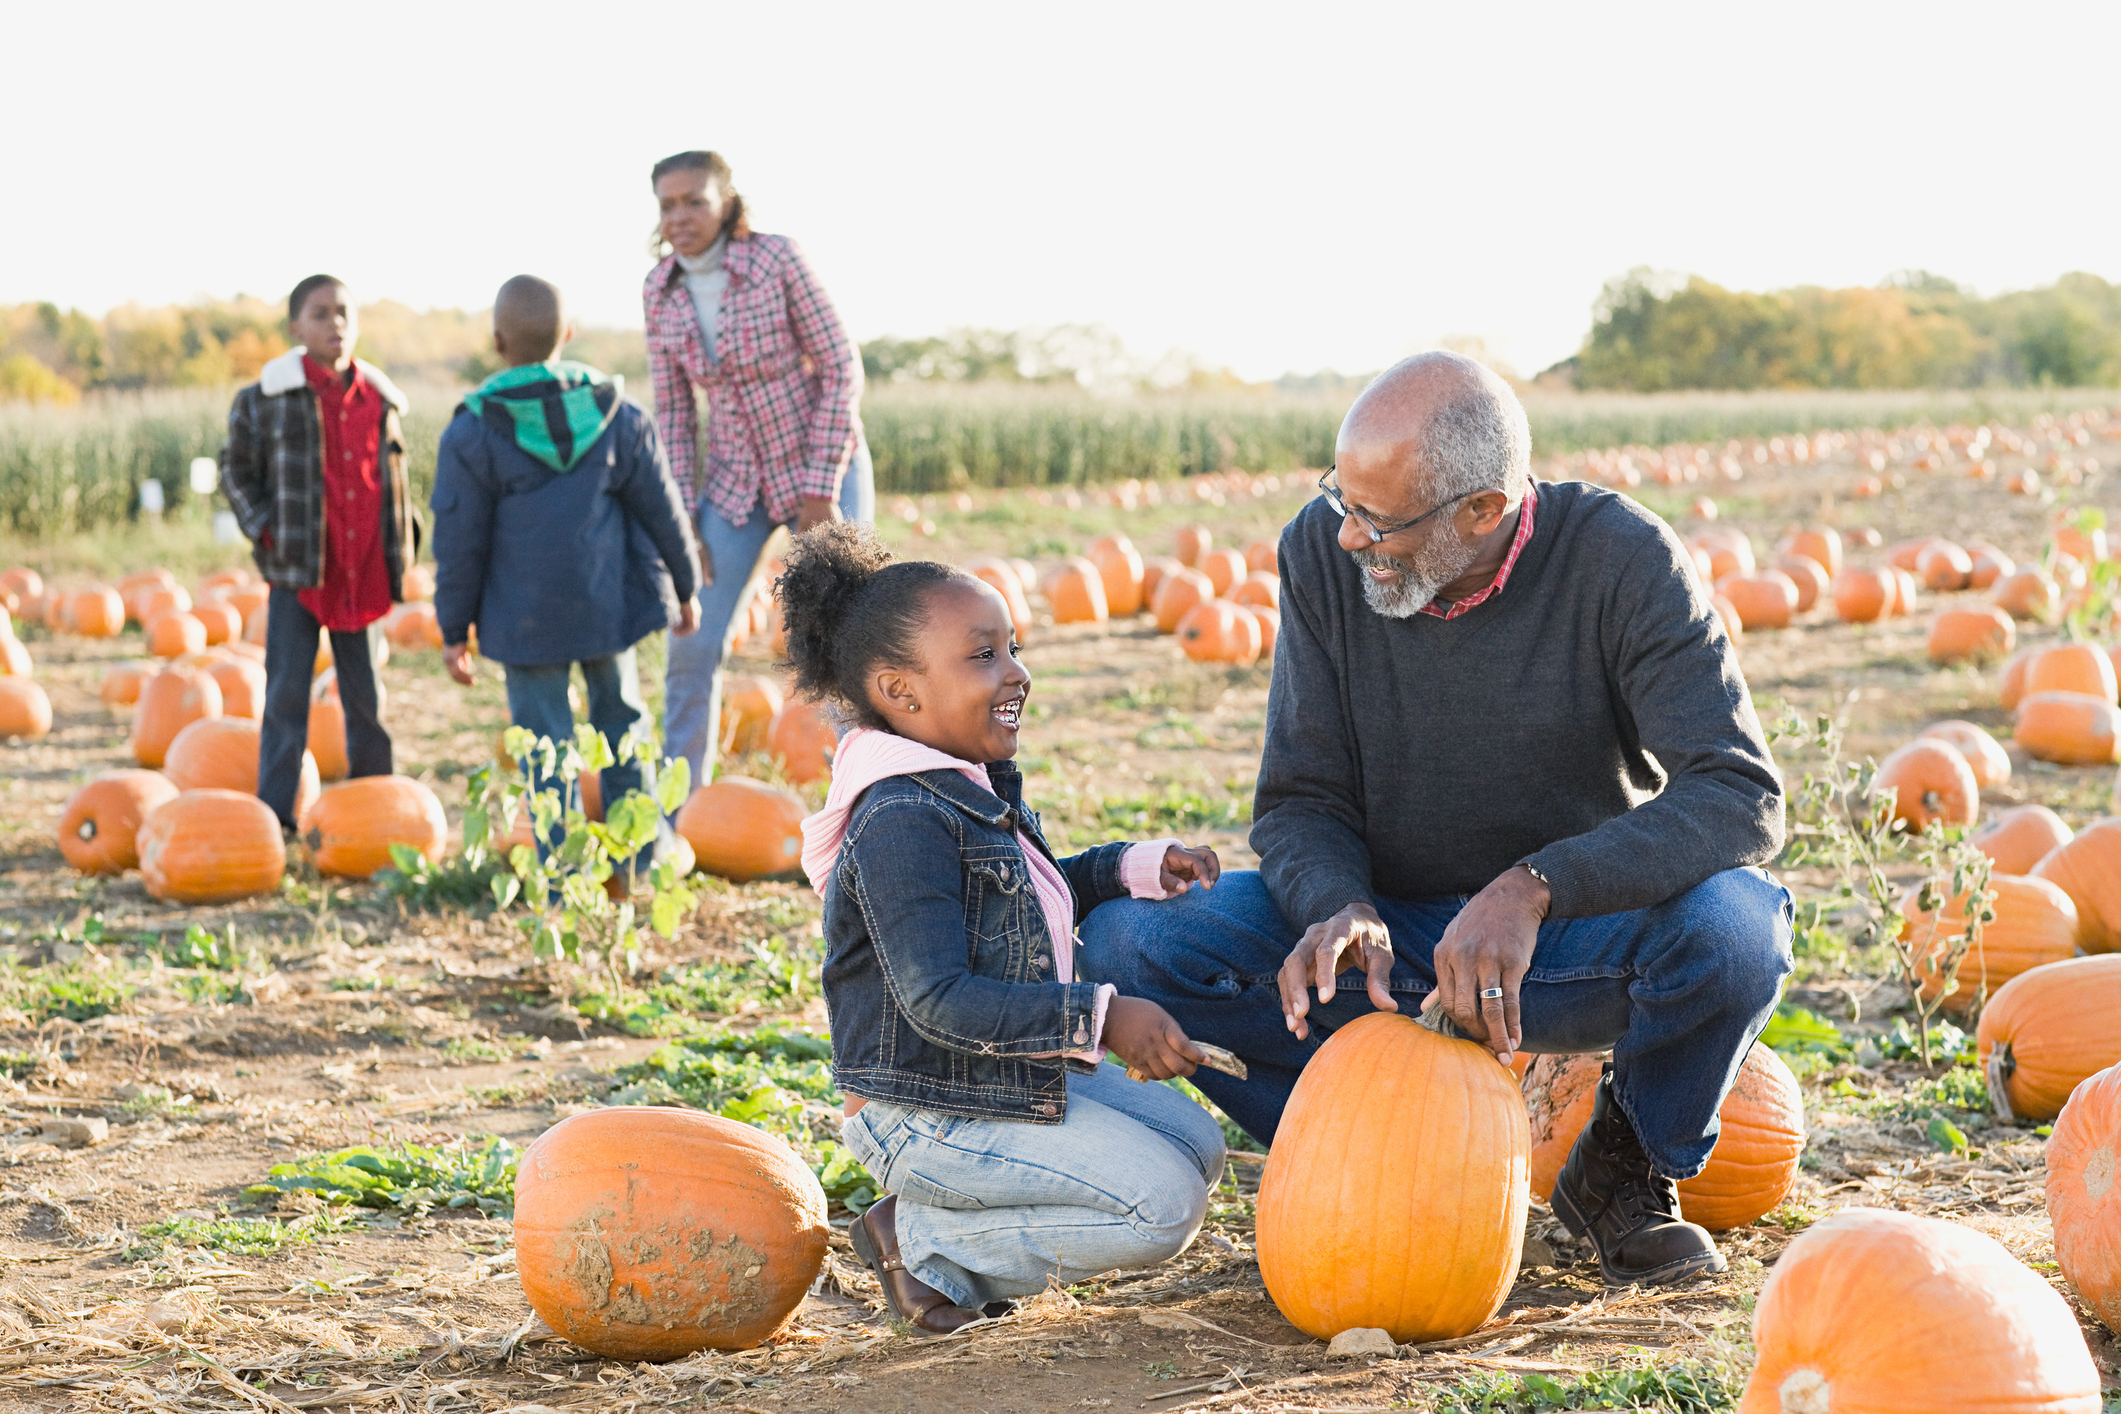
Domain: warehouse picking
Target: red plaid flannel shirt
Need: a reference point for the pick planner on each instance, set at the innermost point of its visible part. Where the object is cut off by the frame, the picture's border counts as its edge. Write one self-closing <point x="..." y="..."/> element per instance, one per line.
<point x="781" y="394"/>
<point x="1509" y="561"/>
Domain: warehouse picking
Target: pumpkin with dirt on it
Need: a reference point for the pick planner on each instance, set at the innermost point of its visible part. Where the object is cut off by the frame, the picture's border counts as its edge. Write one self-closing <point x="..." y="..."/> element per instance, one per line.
<point x="211" y="846"/>
<point x="650" y="1233"/>
<point x="743" y="829"/>
<point x="351" y="827"/>
<point x="99" y="829"/>
<point x="2027" y="594"/>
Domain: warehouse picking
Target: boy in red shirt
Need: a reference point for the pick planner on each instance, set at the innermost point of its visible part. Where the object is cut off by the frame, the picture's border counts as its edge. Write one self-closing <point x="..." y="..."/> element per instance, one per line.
<point x="314" y="469"/>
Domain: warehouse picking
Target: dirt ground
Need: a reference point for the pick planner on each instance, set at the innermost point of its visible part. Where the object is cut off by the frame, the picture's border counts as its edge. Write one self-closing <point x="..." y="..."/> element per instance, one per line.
<point x="359" y="1021"/>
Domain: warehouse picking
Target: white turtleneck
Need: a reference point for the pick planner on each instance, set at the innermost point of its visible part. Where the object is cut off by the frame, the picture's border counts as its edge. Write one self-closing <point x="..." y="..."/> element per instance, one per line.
<point x="705" y="279"/>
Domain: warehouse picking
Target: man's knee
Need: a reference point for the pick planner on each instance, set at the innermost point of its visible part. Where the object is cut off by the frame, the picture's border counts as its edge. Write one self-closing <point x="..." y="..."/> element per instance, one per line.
<point x="1204" y="936"/>
<point x="1737" y="923"/>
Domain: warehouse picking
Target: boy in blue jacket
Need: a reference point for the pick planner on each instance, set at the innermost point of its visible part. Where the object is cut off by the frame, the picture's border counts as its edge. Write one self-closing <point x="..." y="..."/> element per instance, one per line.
<point x="559" y="532"/>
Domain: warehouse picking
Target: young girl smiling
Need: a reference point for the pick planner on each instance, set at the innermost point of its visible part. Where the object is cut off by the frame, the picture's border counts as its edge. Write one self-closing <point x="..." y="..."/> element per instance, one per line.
<point x="964" y="1028"/>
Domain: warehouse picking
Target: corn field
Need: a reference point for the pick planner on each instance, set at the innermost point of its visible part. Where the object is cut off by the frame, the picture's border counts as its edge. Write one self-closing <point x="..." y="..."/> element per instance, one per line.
<point x="69" y="470"/>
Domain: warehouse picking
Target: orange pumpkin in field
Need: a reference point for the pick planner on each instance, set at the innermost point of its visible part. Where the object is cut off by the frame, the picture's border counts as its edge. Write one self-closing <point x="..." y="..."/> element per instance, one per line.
<point x="418" y="584"/>
<point x="1261" y="587"/>
<point x="327" y="737"/>
<point x="1971" y="634"/>
<point x="14" y="658"/>
<point x="2068" y="728"/>
<point x="748" y="707"/>
<point x="1990" y="565"/>
<point x="743" y="829"/>
<point x="1991" y="764"/>
<point x="1864" y="596"/>
<point x="155" y="600"/>
<point x="96" y="613"/>
<point x="2085" y="546"/>
<point x="2028" y="594"/>
<point x="1153" y="572"/>
<point x="1881" y="1312"/>
<point x="1119" y="567"/>
<point x="135" y="585"/>
<point x="2072" y="667"/>
<point x="1931" y="781"/>
<point x="2035" y="924"/>
<point x="25" y="710"/>
<point x="254" y="625"/>
<point x="2018" y="839"/>
<point x="802" y="741"/>
<point x="98" y="831"/>
<point x="1821" y="545"/>
<point x="1906" y="590"/>
<point x="1804" y="572"/>
<point x="174" y="634"/>
<point x="1907" y="554"/>
<point x="415" y="626"/>
<point x="1000" y="576"/>
<point x="1269" y="627"/>
<point x="2047" y="1031"/>
<point x="221" y="753"/>
<point x="1193" y="542"/>
<point x="1727" y="614"/>
<point x="23" y="582"/>
<point x="350" y="828"/>
<point x="1763" y="600"/>
<point x="2011" y="687"/>
<point x="1219" y="632"/>
<point x="1223" y="568"/>
<point x="211" y="846"/>
<point x="242" y="683"/>
<point x="1263" y="555"/>
<point x="649" y="1233"/>
<point x="1944" y="566"/>
<point x="122" y="684"/>
<point x="2083" y="1199"/>
<point x="1077" y="593"/>
<point x="2087" y="867"/>
<point x="171" y="701"/>
<point x="1176" y="595"/>
<point x="248" y="600"/>
<point x="1730" y="551"/>
<point x="221" y="621"/>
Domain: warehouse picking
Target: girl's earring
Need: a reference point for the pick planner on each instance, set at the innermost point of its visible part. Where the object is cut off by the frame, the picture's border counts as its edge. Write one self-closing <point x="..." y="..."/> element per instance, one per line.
<point x="913" y="706"/>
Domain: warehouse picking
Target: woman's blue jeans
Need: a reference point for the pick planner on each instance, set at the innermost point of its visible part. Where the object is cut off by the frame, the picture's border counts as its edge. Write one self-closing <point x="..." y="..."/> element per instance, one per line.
<point x="692" y="685"/>
<point x="990" y="1209"/>
<point x="1678" y="991"/>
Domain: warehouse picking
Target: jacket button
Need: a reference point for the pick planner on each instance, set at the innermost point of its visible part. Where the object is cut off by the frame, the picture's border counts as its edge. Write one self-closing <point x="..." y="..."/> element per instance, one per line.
<point x="1002" y="873"/>
<point x="1049" y="1108"/>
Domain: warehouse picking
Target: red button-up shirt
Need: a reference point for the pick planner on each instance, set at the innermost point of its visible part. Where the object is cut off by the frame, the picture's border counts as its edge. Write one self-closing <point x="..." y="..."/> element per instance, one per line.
<point x="356" y="588"/>
<point x="1509" y="562"/>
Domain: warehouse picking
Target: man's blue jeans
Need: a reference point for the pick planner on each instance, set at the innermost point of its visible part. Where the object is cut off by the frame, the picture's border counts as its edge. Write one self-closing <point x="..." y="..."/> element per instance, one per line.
<point x="1678" y="991"/>
<point x="692" y="685"/>
<point x="537" y="702"/>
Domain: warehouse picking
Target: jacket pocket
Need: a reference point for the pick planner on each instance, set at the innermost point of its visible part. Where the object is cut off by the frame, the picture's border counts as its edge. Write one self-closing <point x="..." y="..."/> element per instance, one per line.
<point x="996" y="890"/>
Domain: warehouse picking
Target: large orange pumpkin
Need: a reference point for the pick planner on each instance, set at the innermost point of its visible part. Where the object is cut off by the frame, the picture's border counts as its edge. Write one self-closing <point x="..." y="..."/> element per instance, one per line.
<point x="1176" y="595"/>
<point x="351" y="827"/>
<point x="1219" y="632"/>
<point x="2088" y="869"/>
<point x="1260" y="587"/>
<point x="221" y="753"/>
<point x="97" y="612"/>
<point x="743" y="829"/>
<point x="648" y="1233"/>
<point x="748" y="706"/>
<point x="1932" y="781"/>
<point x="802" y="741"/>
<point x="1804" y="572"/>
<point x="220" y="621"/>
<point x="1990" y="762"/>
<point x="1119" y="566"/>
<point x="1878" y="1312"/>
<point x="1269" y="627"/>
<point x="172" y="700"/>
<point x="2068" y="728"/>
<point x="2035" y="924"/>
<point x="1763" y="600"/>
<point x="1263" y="555"/>
<point x="1193" y="541"/>
<point x="2083" y="1198"/>
<point x="1153" y="572"/>
<point x="2028" y="594"/>
<point x="25" y="710"/>
<point x="2047" y="1030"/>
<point x="1750" y="1171"/>
<point x="121" y="685"/>
<point x="134" y="586"/>
<point x="99" y="829"/>
<point x="242" y="684"/>
<point x="1224" y="568"/>
<point x="1944" y="566"/>
<point x="1417" y="1143"/>
<point x="1863" y="596"/>
<point x="1974" y="634"/>
<point x="155" y="600"/>
<point x="1821" y="545"/>
<point x="1077" y="593"/>
<point x="211" y="846"/>
<point x="2018" y="839"/>
<point x="174" y="634"/>
<point x="1730" y="550"/>
<point x="2072" y="667"/>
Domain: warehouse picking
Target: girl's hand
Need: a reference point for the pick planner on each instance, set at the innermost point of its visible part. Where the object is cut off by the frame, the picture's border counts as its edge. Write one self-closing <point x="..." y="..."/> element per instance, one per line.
<point x="1142" y="1034"/>
<point x="1183" y="867"/>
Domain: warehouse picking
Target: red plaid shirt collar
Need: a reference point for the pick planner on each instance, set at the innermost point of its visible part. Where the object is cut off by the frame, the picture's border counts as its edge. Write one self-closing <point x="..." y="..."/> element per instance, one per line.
<point x="1509" y="562"/>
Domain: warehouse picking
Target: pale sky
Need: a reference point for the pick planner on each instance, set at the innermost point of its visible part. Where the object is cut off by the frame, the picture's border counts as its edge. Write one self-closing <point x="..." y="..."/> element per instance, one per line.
<point x="1282" y="187"/>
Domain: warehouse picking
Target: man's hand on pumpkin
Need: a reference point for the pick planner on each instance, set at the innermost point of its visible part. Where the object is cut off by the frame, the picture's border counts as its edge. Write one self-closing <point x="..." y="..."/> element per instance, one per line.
<point x="1483" y="957"/>
<point x="1316" y="961"/>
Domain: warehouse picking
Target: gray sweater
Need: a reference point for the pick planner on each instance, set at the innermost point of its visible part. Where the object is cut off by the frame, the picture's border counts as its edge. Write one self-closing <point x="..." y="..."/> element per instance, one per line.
<point x="1590" y="719"/>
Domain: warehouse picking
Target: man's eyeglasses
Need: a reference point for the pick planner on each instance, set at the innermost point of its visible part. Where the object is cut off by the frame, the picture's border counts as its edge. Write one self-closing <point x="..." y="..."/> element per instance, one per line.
<point x="1376" y="532"/>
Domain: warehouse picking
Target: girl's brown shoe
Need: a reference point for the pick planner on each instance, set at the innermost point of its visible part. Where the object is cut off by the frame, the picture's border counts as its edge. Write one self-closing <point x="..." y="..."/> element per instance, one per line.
<point x="875" y="1241"/>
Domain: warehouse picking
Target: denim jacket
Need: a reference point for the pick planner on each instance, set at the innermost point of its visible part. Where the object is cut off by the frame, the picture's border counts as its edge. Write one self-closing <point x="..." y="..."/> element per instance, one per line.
<point x="939" y="973"/>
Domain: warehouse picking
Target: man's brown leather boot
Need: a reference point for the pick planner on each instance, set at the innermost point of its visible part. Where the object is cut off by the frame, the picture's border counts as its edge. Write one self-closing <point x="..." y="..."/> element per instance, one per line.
<point x="1608" y="1192"/>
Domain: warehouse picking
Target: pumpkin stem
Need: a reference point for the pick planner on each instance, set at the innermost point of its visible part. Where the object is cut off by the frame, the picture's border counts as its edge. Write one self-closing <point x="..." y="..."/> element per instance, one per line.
<point x="1805" y="1391"/>
<point x="1438" y="1020"/>
<point x="2002" y="1065"/>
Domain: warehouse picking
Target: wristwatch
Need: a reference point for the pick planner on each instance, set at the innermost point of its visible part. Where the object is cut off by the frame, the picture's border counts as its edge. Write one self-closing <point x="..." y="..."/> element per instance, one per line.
<point x="1526" y="865"/>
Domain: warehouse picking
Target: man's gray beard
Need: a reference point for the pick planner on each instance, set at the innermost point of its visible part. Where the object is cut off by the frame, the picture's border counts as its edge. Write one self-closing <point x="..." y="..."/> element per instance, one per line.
<point x="1442" y="559"/>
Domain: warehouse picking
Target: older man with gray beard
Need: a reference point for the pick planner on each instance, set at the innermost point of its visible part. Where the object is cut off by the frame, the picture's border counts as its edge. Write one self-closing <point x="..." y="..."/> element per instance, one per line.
<point x="1511" y="771"/>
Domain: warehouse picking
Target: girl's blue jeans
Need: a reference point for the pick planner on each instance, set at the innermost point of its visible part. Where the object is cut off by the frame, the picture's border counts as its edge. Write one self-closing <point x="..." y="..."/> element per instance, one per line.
<point x="692" y="685"/>
<point x="990" y="1209"/>
<point x="1678" y="991"/>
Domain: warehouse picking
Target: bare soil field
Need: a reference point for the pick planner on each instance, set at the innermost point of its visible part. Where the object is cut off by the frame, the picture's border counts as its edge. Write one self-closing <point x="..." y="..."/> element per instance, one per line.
<point x="201" y="1047"/>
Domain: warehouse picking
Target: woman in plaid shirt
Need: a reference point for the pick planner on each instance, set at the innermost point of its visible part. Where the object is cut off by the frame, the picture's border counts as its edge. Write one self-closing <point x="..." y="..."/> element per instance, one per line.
<point x="741" y="317"/>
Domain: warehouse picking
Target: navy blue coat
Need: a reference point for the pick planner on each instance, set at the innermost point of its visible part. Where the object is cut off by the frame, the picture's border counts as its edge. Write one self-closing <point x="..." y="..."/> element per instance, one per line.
<point x="556" y="567"/>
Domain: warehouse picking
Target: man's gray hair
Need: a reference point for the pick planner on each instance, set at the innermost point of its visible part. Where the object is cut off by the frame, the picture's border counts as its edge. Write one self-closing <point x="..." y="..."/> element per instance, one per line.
<point x="1477" y="440"/>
